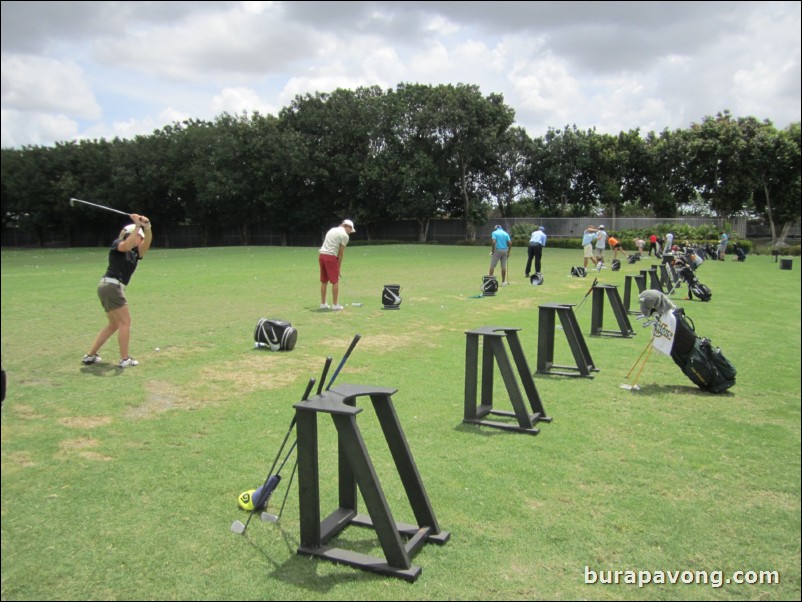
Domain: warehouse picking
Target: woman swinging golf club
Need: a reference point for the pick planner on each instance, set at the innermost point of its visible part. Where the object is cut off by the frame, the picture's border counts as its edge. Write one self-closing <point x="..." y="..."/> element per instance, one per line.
<point x="127" y="249"/>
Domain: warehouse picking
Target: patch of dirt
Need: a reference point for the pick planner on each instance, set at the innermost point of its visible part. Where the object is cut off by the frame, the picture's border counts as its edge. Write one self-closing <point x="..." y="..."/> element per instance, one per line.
<point x="85" y="422"/>
<point x="26" y="412"/>
<point x="81" y="447"/>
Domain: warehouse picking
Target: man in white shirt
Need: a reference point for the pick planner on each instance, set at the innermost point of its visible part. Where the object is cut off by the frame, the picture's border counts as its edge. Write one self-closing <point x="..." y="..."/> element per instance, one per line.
<point x="330" y="260"/>
<point x="601" y="244"/>
<point x="535" y="251"/>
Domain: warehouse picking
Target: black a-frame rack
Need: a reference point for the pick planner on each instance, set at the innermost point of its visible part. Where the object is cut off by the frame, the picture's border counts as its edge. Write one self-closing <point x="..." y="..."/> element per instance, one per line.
<point x="399" y="541"/>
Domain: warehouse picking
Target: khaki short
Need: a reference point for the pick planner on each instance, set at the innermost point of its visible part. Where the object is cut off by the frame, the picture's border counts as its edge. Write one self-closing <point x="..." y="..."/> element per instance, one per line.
<point x="499" y="256"/>
<point x="112" y="296"/>
<point x="588" y="250"/>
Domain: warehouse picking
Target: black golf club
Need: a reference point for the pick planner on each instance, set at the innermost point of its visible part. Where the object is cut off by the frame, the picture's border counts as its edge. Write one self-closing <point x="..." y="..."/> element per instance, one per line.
<point x="261" y="495"/>
<point x="319" y="390"/>
<point x="345" y="358"/>
<point x="590" y="290"/>
<point x="74" y="200"/>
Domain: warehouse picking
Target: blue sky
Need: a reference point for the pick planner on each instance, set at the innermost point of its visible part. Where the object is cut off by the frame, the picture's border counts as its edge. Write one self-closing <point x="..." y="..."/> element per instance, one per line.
<point x="74" y="70"/>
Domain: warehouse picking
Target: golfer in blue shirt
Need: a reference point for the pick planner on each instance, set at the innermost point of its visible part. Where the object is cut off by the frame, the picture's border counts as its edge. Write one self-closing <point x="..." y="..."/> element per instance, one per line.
<point x="502" y="244"/>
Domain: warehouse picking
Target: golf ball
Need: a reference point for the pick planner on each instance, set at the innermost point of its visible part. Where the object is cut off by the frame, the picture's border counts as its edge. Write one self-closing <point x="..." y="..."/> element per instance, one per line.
<point x="157" y="348"/>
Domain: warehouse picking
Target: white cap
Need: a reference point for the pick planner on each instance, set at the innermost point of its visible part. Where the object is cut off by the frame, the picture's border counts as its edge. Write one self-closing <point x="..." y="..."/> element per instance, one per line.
<point x="348" y="222"/>
<point x="131" y="227"/>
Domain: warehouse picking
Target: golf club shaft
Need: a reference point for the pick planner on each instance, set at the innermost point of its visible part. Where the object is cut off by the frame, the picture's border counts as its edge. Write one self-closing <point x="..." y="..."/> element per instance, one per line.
<point x="308" y="390"/>
<point x="287" y="491"/>
<point x="590" y="290"/>
<point x="345" y="358"/>
<point x="74" y="200"/>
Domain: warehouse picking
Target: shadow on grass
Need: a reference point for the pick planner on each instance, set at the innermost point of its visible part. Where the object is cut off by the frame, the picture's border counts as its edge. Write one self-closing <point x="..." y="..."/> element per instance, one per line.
<point x="303" y="571"/>
<point x="489" y="431"/>
<point x="102" y="370"/>
<point x="679" y="389"/>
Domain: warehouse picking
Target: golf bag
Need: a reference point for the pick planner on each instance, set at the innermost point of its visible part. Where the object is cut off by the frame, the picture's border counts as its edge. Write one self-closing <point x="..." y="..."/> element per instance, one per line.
<point x="279" y="335"/>
<point x="695" y="287"/>
<point x="579" y="271"/>
<point x="616" y="265"/>
<point x="536" y="279"/>
<point x="631" y="259"/>
<point x="489" y="286"/>
<point x="740" y="254"/>
<point x="695" y="260"/>
<point x="704" y="364"/>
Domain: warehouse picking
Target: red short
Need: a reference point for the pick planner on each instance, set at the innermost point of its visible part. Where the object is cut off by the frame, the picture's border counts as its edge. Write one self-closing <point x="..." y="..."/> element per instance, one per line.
<point x="329" y="268"/>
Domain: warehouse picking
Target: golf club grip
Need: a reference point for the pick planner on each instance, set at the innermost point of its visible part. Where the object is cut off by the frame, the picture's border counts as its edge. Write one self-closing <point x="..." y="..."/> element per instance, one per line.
<point x="325" y="373"/>
<point x="345" y="359"/>
<point x="308" y="390"/>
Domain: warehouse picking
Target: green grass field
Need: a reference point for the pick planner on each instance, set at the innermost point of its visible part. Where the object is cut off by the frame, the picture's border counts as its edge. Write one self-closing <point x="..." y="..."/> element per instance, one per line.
<point x="123" y="484"/>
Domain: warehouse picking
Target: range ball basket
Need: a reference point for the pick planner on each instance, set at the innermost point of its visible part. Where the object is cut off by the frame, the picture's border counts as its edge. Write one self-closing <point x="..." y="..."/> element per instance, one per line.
<point x="391" y="298"/>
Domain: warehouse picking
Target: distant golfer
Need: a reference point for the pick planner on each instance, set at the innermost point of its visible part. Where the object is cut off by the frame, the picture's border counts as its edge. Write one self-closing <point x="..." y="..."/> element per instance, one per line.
<point x="500" y="251"/>
<point x="535" y="250"/>
<point x="723" y="239"/>
<point x="588" y="238"/>
<point x="128" y="248"/>
<point x="615" y="245"/>
<point x="331" y="261"/>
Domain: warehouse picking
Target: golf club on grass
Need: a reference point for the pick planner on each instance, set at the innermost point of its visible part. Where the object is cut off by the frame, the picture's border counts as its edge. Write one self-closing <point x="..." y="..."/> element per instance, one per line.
<point x="74" y="200"/>
<point x="273" y="518"/>
<point x="590" y="290"/>
<point x="261" y="495"/>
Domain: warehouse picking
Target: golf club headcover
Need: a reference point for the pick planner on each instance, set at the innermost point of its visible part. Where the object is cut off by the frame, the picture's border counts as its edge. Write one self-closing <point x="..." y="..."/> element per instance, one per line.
<point x="652" y="301"/>
<point x="245" y="500"/>
<point x="261" y="495"/>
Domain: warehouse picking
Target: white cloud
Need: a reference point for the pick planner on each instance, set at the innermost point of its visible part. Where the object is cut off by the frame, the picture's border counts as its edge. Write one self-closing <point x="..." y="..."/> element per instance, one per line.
<point x="108" y="68"/>
<point x="35" y="128"/>
<point x="240" y="100"/>
<point x="36" y="84"/>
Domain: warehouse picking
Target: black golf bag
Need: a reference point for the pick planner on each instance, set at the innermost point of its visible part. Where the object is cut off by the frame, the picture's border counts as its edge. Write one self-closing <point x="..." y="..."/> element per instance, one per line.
<point x="631" y="259"/>
<point x="536" y="279"/>
<point x="695" y="287"/>
<point x="391" y="298"/>
<point x="740" y="254"/>
<point x="489" y="286"/>
<point x="579" y="271"/>
<point x="616" y="265"/>
<point x="279" y="335"/>
<point x="704" y="364"/>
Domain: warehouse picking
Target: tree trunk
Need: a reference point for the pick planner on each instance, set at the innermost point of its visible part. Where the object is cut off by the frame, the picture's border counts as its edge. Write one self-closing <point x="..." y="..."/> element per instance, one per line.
<point x="423" y="229"/>
<point x="783" y="233"/>
<point x="774" y="240"/>
<point x="470" y="227"/>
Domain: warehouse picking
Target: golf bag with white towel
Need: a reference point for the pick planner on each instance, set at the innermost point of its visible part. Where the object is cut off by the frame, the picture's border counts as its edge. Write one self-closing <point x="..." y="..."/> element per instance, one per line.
<point x="686" y="267"/>
<point x="278" y="335"/>
<point x="675" y="336"/>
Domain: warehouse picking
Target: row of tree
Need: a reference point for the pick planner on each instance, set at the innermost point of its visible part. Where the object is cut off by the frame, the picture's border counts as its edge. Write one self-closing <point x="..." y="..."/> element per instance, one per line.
<point x="417" y="152"/>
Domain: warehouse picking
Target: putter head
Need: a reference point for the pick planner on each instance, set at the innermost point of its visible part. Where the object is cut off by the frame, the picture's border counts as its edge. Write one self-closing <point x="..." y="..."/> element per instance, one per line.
<point x="237" y="527"/>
